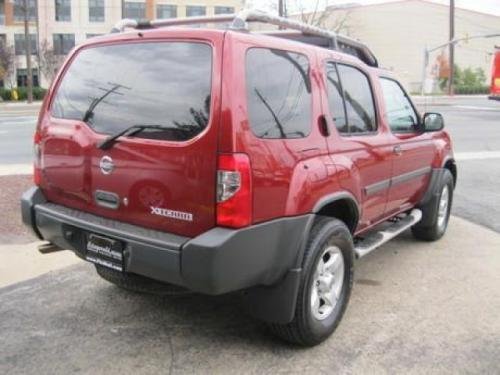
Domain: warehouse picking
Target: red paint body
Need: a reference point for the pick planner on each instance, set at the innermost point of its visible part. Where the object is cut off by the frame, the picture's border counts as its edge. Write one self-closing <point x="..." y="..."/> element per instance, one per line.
<point x="495" y="75"/>
<point x="288" y="176"/>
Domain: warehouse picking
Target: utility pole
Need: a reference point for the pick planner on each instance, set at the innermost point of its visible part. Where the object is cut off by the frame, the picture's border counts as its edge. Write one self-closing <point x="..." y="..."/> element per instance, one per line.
<point x="452" y="47"/>
<point x="280" y="8"/>
<point x="27" y="51"/>
<point x="428" y="51"/>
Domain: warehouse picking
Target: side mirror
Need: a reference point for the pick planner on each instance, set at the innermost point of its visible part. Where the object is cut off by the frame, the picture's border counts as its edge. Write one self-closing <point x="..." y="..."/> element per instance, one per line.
<point x="433" y="122"/>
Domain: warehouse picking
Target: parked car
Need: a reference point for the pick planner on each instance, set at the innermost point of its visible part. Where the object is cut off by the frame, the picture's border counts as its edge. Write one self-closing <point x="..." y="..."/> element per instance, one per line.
<point x="495" y="76"/>
<point x="224" y="161"/>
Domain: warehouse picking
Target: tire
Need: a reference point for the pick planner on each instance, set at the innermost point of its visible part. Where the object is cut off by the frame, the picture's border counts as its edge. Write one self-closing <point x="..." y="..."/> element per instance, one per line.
<point x="434" y="219"/>
<point x="137" y="283"/>
<point x="309" y="326"/>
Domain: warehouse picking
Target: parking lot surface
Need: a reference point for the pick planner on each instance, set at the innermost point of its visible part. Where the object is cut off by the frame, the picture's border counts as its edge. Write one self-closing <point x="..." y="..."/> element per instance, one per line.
<point x="416" y="308"/>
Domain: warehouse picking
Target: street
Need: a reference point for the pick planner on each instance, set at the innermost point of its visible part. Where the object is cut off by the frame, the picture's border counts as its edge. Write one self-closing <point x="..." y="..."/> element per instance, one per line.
<point x="416" y="307"/>
<point x="474" y="125"/>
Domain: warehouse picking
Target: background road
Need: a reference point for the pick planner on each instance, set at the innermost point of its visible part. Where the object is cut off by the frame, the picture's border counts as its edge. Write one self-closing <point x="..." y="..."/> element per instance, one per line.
<point x="474" y="125"/>
<point x="473" y="122"/>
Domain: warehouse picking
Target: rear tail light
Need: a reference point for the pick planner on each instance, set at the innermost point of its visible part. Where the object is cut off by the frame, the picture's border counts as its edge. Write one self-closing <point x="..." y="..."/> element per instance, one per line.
<point x="234" y="191"/>
<point x="37" y="159"/>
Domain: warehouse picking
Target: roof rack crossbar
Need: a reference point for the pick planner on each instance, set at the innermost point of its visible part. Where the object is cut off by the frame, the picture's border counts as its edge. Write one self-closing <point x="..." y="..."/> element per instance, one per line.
<point x="239" y="22"/>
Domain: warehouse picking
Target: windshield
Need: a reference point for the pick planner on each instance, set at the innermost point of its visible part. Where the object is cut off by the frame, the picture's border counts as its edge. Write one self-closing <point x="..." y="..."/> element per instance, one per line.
<point x="114" y="87"/>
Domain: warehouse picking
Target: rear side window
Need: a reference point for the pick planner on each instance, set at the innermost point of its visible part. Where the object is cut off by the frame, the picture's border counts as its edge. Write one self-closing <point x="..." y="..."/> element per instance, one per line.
<point x="336" y="98"/>
<point x="160" y="83"/>
<point x="278" y="93"/>
<point x="358" y="98"/>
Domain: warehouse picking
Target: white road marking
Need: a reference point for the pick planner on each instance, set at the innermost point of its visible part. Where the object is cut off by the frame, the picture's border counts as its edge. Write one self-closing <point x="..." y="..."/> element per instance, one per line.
<point x="16" y="169"/>
<point x="477" y="108"/>
<point x="27" y="169"/>
<point x="477" y="155"/>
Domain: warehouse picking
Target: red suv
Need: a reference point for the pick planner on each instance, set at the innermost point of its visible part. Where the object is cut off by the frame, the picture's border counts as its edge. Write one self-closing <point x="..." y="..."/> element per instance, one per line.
<point x="223" y="161"/>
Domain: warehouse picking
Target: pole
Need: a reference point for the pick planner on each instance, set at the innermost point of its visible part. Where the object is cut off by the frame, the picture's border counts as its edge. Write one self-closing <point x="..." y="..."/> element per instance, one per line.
<point x="452" y="47"/>
<point x="424" y="70"/>
<point x="27" y="51"/>
<point x="280" y="8"/>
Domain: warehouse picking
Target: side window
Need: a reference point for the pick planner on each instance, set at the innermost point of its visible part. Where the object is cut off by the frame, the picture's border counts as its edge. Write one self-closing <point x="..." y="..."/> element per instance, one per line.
<point x="399" y="111"/>
<point x="335" y="98"/>
<point x="278" y="92"/>
<point x="358" y="98"/>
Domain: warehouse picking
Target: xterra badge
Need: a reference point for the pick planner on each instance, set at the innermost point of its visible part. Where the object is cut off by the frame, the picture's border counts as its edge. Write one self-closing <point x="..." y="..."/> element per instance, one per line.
<point x="179" y="215"/>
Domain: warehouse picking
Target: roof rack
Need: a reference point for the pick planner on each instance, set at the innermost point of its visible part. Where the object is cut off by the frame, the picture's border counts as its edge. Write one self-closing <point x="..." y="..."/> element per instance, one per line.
<point x="300" y="31"/>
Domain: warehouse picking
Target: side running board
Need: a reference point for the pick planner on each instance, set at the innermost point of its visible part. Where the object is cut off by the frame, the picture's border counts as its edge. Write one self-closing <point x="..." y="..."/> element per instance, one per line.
<point x="375" y="239"/>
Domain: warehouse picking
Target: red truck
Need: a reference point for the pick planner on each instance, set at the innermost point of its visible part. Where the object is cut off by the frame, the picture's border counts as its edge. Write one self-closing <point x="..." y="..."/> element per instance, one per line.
<point x="495" y="76"/>
<point x="227" y="161"/>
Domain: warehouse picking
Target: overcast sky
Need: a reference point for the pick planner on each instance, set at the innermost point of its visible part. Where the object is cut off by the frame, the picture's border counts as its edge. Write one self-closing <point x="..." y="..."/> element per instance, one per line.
<point x="486" y="6"/>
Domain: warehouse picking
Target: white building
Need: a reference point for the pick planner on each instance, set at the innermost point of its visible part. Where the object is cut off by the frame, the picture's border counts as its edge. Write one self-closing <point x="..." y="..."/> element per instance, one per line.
<point x="398" y="32"/>
<point x="62" y="24"/>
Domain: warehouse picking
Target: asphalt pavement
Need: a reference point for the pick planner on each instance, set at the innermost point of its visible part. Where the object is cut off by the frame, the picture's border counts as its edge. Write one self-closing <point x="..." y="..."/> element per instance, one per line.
<point x="416" y="308"/>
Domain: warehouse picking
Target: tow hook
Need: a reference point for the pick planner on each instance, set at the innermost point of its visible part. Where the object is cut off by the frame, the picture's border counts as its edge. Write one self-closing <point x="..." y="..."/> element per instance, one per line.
<point x="48" y="247"/>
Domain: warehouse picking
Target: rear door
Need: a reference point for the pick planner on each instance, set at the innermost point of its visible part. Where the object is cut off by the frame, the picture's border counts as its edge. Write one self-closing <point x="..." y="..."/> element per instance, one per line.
<point x="359" y="147"/>
<point x="163" y="178"/>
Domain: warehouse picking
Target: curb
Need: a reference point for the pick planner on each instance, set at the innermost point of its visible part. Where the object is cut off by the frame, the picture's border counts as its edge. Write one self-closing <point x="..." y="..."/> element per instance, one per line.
<point x="16" y="169"/>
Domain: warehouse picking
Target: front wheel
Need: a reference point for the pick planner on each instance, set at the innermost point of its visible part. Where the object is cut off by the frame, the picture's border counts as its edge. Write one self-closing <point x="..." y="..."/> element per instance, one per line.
<point x="436" y="213"/>
<point x="327" y="276"/>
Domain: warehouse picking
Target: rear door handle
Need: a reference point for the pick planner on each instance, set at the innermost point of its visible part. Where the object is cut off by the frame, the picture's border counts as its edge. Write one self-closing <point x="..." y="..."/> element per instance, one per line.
<point x="397" y="150"/>
<point x="323" y="126"/>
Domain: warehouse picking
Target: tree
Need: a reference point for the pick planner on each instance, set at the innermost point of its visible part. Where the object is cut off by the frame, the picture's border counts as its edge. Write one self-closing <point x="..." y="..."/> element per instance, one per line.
<point x="48" y="61"/>
<point x="7" y="60"/>
<point x="335" y="18"/>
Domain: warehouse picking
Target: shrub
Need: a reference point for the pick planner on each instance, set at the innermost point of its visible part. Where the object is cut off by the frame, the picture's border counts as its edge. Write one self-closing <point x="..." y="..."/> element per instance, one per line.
<point x="22" y="92"/>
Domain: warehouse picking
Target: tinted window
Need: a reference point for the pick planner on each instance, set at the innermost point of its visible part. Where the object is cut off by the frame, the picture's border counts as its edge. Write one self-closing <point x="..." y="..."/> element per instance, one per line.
<point x="399" y="111"/>
<point x="63" y="43"/>
<point x="335" y="99"/>
<point x="134" y="10"/>
<point x="63" y="10"/>
<point x="96" y="10"/>
<point x="19" y="44"/>
<point x="223" y="10"/>
<point x="359" y="100"/>
<point x="166" y="11"/>
<point x="278" y="93"/>
<point x="19" y="10"/>
<point x="165" y="84"/>
<point x="192" y="11"/>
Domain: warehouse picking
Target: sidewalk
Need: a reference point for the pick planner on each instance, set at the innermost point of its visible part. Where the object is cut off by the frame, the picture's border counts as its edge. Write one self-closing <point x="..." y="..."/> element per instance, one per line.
<point x="19" y="108"/>
<point x="22" y="262"/>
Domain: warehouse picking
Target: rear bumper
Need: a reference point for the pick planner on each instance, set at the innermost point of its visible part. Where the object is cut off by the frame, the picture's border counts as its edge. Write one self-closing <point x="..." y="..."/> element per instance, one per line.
<point x="218" y="261"/>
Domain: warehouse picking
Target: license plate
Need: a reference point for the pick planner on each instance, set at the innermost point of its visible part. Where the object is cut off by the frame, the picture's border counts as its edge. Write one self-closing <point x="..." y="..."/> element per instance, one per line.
<point x="105" y="252"/>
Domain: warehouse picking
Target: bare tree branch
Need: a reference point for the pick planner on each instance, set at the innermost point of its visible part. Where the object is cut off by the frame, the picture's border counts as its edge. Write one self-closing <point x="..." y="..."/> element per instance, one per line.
<point x="48" y="61"/>
<point x="7" y="61"/>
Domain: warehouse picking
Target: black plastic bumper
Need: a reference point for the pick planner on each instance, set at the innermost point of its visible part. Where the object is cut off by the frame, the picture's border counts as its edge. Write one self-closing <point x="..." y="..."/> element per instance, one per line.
<point x="218" y="261"/>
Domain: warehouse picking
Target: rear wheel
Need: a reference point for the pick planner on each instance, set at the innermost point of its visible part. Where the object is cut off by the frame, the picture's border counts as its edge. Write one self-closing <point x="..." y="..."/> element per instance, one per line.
<point x="325" y="285"/>
<point x="436" y="213"/>
<point x="137" y="283"/>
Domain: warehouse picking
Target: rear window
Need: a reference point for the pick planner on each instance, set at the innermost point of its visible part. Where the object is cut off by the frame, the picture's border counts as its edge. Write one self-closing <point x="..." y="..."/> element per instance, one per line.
<point x="160" y="83"/>
<point x="278" y="93"/>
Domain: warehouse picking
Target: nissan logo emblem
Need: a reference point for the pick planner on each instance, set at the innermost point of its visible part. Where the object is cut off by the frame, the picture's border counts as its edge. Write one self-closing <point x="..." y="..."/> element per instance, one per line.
<point x="106" y="165"/>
